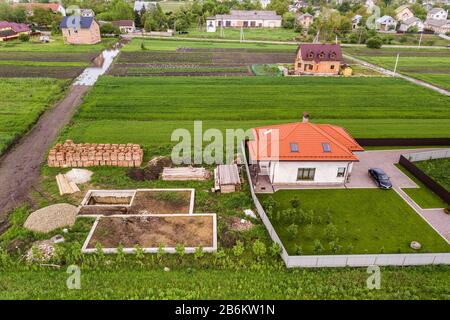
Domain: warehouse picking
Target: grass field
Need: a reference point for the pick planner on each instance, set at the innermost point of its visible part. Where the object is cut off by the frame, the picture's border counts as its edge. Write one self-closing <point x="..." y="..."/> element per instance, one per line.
<point x="269" y="34"/>
<point x="152" y="44"/>
<point x="429" y="65"/>
<point x="423" y="196"/>
<point x="22" y="102"/>
<point x="438" y="169"/>
<point x="147" y="110"/>
<point x="133" y="282"/>
<point x="364" y="221"/>
<point x="56" y="45"/>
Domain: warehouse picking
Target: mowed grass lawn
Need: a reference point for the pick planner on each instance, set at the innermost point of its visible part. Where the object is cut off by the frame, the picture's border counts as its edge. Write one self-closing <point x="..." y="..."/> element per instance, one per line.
<point x="147" y="110"/>
<point x="270" y="34"/>
<point x="429" y="65"/>
<point x="438" y="169"/>
<point x="172" y="45"/>
<point x="365" y="221"/>
<point x="22" y="101"/>
<point x="422" y="195"/>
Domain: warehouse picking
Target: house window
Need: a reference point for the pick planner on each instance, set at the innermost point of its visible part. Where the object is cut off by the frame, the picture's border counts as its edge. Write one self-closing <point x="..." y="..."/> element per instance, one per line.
<point x="326" y="147"/>
<point x="310" y="67"/>
<point x="306" y="174"/>
<point x="219" y="23"/>
<point x="253" y="24"/>
<point x="341" y="172"/>
<point x="294" y="147"/>
<point x="228" y="23"/>
<point x="299" y="64"/>
<point x="332" y="67"/>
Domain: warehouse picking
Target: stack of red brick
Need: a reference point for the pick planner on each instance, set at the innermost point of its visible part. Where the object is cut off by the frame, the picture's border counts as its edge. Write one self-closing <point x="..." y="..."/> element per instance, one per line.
<point x="70" y="154"/>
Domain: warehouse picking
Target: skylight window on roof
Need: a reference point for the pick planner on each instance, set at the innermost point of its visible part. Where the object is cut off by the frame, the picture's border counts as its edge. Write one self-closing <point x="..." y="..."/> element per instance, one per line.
<point x="294" y="147"/>
<point x="326" y="147"/>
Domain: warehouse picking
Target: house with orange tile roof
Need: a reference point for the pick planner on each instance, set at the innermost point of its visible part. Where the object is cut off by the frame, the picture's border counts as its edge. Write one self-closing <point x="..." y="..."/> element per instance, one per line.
<point x="303" y="153"/>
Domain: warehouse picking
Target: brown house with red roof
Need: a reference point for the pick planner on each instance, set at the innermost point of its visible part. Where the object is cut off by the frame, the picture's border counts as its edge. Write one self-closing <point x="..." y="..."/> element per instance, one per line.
<point x="317" y="58"/>
<point x="303" y="153"/>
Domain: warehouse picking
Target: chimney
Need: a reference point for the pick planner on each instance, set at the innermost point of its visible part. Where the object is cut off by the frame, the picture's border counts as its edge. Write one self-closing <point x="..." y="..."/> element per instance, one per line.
<point x="305" y="117"/>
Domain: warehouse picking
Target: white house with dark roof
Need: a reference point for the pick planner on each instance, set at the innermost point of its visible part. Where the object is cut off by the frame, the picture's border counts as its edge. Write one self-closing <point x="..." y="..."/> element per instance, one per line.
<point x="245" y="19"/>
<point x="386" y="23"/>
<point x="413" y="22"/>
<point x="437" y="14"/>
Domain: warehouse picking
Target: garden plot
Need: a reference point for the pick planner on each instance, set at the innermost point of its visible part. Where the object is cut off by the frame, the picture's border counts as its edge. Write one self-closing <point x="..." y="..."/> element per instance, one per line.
<point x="137" y="202"/>
<point x="151" y="232"/>
<point x="197" y="62"/>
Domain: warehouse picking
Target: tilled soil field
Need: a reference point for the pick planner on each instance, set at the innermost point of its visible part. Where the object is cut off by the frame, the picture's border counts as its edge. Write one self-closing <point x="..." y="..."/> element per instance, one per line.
<point x="151" y="232"/>
<point x="49" y="56"/>
<point x="16" y="71"/>
<point x="196" y="62"/>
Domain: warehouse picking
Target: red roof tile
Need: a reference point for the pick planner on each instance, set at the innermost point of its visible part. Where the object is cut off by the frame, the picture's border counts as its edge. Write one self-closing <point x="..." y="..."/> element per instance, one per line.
<point x="320" y="52"/>
<point x="309" y="139"/>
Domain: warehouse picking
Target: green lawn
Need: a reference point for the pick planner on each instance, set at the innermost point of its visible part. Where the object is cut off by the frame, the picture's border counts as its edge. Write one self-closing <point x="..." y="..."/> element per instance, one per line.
<point x="423" y="196"/>
<point x="22" y="102"/>
<point x="172" y="45"/>
<point x="269" y="34"/>
<point x="429" y="65"/>
<point x="365" y="221"/>
<point x="438" y="169"/>
<point x="57" y="45"/>
<point x="147" y="110"/>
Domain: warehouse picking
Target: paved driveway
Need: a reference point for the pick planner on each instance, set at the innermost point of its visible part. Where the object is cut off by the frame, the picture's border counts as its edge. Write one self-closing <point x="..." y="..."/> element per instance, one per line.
<point x="384" y="159"/>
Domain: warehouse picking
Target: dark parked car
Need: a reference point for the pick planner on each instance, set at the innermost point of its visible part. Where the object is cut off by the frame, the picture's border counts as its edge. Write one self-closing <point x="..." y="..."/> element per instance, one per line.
<point x="380" y="177"/>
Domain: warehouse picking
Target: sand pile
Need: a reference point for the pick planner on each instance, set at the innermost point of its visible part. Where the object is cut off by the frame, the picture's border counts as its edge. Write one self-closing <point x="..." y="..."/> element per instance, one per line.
<point x="52" y="217"/>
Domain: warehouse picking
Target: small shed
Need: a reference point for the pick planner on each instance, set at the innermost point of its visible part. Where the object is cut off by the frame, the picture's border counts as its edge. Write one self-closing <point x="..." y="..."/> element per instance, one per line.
<point x="227" y="178"/>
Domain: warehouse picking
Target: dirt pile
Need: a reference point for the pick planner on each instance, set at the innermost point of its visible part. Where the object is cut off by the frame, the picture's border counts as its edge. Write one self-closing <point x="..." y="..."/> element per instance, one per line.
<point x="153" y="169"/>
<point x="52" y="217"/>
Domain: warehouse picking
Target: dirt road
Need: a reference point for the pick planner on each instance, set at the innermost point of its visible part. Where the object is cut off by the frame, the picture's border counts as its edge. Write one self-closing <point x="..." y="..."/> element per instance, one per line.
<point x="19" y="168"/>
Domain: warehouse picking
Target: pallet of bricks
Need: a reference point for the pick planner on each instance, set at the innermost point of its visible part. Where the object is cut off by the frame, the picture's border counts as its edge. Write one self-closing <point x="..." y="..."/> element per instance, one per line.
<point x="70" y="154"/>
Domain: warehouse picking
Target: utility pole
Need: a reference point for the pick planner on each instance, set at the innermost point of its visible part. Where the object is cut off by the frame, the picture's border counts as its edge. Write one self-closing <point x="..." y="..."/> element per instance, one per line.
<point x="420" y="40"/>
<point x="221" y="29"/>
<point x="396" y="63"/>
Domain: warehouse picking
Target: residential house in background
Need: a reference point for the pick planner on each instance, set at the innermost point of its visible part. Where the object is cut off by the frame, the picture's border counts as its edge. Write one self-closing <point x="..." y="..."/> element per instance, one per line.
<point x="318" y="59"/>
<point x="246" y="19"/>
<point x="413" y="22"/>
<point x="125" y="26"/>
<point x="386" y="23"/>
<point x="297" y="5"/>
<point x="403" y="13"/>
<point x="302" y="153"/>
<point x="88" y="13"/>
<point x="438" y="26"/>
<point x="305" y="20"/>
<point x="437" y="14"/>
<point x="356" y="20"/>
<point x="29" y="7"/>
<point x="12" y="30"/>
<point x="88" y="32"/>
<point x="264" y="3"/>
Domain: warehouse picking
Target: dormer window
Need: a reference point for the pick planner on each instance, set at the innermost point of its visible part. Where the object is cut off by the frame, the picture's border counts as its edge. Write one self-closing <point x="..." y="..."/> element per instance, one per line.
<point x="333" y="55"/>
<point x="322" y="55"/>
<point x="294" y="147"/>
<point x="310" y="55"/>
<point x="326" y="147"/>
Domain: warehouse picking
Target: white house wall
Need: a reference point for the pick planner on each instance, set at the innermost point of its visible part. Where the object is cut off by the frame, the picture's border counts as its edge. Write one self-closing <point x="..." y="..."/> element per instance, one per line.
<point x="285" y="172"/>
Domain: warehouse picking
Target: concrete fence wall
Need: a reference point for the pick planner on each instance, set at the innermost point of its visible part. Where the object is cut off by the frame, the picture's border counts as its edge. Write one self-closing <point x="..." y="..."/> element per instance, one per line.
<point x="428" y="155"/>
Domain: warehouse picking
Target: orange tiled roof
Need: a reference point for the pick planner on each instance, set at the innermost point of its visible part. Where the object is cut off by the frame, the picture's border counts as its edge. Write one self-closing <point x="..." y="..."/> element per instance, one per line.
<point x="309" y="138"/>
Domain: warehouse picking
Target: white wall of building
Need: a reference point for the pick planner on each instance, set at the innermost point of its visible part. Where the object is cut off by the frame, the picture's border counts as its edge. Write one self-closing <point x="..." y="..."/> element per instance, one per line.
<point x="285" y="172"/>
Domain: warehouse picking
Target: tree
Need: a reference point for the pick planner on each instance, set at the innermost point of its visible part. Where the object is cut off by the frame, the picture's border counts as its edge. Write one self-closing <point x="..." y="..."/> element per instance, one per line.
<point x="280" y="6"/>
<point x="118" y="10"/>
<point x="155" y="20"/>
<point x="289" y="19"/>
<point x="108" y="28"/>
<point x="8" y="13"/>
<point x="374" y="43"/>
<point x="42" y="17"/>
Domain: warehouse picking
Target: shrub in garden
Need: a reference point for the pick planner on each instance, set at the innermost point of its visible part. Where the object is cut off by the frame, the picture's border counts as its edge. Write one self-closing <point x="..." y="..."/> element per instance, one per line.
<point x="274" y="249"/>
<point x="180" y="250"/>
<point x="295" y="202"/>
<point x="298" y="250"/>
<point x="318" y="247"/>
<point x="259" y="249"/>
<point x="24" y="37"/>
<point x="270" y="205"/>
<point x="374" y="43"/>
<point x="238" y="249"/>
<point x="335" y="247"/>
<point x="292" y="231"/>
<point x="198" y="253"/>
<point x="308" y="231"/>
<point x="330" y="232"/>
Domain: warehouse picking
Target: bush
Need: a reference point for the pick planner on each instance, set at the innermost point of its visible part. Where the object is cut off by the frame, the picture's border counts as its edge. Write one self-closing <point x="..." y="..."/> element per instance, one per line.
<point x="292" y="231"/>
<point x="318" y="247"/>
<point x="24" y="37"/>
<point x="108" y="28"/>
<point x="330" y="232"/>
<point x="259" y="249"/>
<point x="374" y="43"/>
<point x="295" y="202"/>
